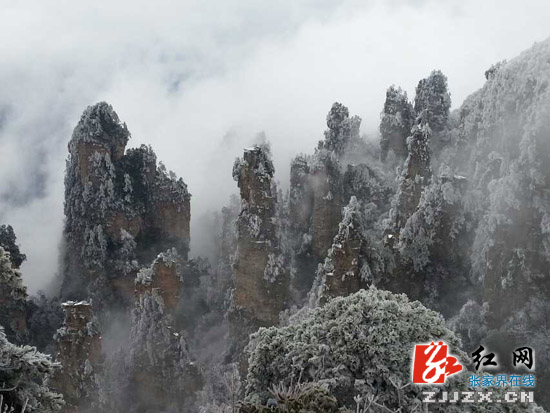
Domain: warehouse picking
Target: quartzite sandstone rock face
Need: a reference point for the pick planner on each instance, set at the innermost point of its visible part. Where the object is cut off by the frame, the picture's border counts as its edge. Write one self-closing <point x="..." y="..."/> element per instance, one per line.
<point x="162" y="375"/>
<point x="326" y="181"/>
<point x="163" y="275"/>
<point x="260" y="277"/>
<point x="343" y="272"/>
<point x="301" y="195"/>
<point x="414" y="178"/>
<point x="121" y="210"/>
<point x="79" y="352"/>
<point x="321" y="185"/>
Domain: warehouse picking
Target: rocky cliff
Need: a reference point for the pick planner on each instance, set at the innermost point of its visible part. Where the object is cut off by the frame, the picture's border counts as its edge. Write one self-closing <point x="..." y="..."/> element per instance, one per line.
<point x="345" y="269"/>
<point x="415" y="176"/>
<point x="260" y="274"/>
<point x="162" y="375"/>
<point x="322" y="184"/>
<point x="79" y="352"/>
<point x="121" y="210"/>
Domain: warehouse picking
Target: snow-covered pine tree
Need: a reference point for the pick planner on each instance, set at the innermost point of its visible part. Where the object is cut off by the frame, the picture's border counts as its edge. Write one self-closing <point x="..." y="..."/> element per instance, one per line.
<point x="25" y="374"/>
<point x="433" y="98"/>
<point x="8" y="241"/>
<point x="339" y="130"/>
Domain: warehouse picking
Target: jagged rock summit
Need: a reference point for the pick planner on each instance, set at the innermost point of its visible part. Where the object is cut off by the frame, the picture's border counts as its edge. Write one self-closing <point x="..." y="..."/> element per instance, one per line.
<point x="121" y="209"/>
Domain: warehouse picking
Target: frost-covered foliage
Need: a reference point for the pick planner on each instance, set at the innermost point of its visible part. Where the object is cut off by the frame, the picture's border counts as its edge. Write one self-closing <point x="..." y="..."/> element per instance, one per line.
<point x="168" y="259"/>
<point x="433" y="100"/>
<point x="312" y="397"/>
<point x="397" y="119"/>
<point x="258" y="162"/>
<point x="168" y="188"/>
<point x="367" y="184"/>
<point x="13" y="300"/>
<point x="26" y="373"/>
<point x="502" y="147"/>
<point x="302" y="397"/>
<point x="139" y="166"/>
<point x="299" y="235"/>
<point x="8" y="241"/>
<point x="101" y="123"/>
<point x="510" y="254"/>
<point x="44" y="317"/>
<point x="124" y="258"/>
<point x="150" y="369"/>
<point x="355" y="345"/>
<point x="470" y="324"/>
<point x="492" y="71"/>
<point x="530" y="326"/>
<point x="223" y="390"/>
<point x="432" y="250"/>
<point x="11" y="278"/>
<point x="275" y="267"/>
<point x="510" y="114"/>
<point x="437" y="221"/>
<point x="162" y="375"/>
<point x="353" y="354"/>
<point x="94" y="250"/>
<point x="152" y="331"/>
<point x="341" y="129"/>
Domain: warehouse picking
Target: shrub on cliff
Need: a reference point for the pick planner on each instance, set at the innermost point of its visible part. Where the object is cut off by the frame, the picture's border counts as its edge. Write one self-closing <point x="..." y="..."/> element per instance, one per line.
<point x="24" y="374"/>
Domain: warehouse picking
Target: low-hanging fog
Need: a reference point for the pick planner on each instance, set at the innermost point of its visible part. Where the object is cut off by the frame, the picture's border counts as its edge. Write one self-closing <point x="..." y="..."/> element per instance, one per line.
<point x="198" y="80"/>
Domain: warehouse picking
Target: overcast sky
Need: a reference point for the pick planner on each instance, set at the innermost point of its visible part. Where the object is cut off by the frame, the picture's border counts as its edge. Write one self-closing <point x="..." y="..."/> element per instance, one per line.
<point x="198" y="79"/>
